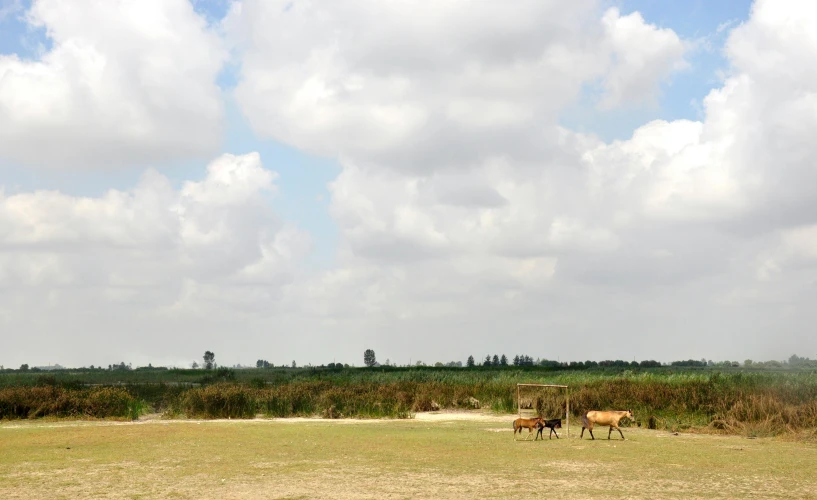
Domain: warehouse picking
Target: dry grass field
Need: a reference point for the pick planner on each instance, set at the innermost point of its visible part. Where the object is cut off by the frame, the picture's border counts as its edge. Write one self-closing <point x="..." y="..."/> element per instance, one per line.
<point x="450" y="455"/>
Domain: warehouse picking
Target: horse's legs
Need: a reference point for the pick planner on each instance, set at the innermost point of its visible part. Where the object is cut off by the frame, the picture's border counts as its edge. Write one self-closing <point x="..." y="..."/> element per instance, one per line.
<point x="619" y="431"/>
<point x="582" y="434"/>
<point x="553" y="431"/>
<point x="591" y="433"/>
<point x="609" y="431"/>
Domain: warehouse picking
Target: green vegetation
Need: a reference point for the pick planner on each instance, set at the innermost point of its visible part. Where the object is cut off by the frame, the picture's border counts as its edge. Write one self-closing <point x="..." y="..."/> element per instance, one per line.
<point x="728" y="401"/>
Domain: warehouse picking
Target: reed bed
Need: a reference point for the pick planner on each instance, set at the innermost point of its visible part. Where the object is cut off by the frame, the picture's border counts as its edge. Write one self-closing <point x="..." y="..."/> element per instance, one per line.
<point x="53" y="401"/>
<point x="759" y="403"/>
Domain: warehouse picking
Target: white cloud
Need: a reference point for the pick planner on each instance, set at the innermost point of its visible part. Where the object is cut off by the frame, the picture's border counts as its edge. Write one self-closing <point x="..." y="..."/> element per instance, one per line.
<point x="458" y="184"/>
<point x="801" y="242"/>
<point x="447" y="131"/>
<point x="217" y="230"/>
<point x="788" y="252"/>
<point x="129" y="271"/>
<point x="402" y="86"/>
<point x="643" y="55"/>
<point x="672" y="169"/>
<point x="125" y="83"/>
<point x="464" y="211"/>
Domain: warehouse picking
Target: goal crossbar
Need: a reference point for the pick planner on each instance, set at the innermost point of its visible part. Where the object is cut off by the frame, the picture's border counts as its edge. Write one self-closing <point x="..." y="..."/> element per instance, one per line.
<point x="541" y="385"/>
<point x="567" y="400"/>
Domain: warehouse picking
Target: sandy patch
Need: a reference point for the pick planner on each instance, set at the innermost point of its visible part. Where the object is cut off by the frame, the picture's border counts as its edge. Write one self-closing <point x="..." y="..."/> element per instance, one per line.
<point x="473" y="416"/>
<point x="155" y="419"/>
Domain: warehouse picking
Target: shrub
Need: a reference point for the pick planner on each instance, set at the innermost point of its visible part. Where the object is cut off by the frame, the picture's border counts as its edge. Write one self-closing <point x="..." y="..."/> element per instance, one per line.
<point x="51" y="400"/>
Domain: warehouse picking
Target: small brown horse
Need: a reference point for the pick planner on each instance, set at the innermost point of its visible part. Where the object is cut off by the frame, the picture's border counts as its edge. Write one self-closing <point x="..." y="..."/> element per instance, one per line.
<point x="530" y="423"/>
<point x="610" y="418"/>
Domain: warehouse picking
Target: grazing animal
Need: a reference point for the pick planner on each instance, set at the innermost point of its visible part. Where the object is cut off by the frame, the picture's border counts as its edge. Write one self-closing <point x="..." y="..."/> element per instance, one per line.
<point x="610" y="418"/>
<point x="530" y="423"/>
<point x="552" y="424"/>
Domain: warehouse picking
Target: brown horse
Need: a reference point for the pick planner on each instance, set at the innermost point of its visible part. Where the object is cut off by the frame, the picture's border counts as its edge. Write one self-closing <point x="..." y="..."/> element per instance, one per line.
<point x="610" y="418"/>
<point x="530" y="423"/>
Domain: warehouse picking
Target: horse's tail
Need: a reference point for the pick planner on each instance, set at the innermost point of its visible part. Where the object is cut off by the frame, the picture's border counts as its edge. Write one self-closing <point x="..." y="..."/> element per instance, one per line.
<point x="585" y="423"/>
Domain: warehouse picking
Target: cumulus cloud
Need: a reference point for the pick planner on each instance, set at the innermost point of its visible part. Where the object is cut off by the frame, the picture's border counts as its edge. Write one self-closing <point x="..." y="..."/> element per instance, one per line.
<point x="125" y="83"/>
<point x="464" y="210"/>
<point x="459" y="184"/>
<point x="402" y="86"/>
<point x="643" y="56"/>
<point x="447" y="132"/>
<point x="211" y="248"/>
<point x="217" y="229"/>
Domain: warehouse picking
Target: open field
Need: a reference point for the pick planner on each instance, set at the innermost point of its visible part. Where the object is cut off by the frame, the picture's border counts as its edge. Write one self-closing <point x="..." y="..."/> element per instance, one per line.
<point x="454" y="455"/>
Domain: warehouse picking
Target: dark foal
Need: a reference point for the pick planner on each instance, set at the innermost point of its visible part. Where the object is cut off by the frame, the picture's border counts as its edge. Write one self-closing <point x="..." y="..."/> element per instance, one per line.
<point x="552" y="424"/>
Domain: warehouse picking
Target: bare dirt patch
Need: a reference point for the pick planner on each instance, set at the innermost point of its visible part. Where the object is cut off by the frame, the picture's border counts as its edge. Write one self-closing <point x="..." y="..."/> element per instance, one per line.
<point x="469" y="415"/>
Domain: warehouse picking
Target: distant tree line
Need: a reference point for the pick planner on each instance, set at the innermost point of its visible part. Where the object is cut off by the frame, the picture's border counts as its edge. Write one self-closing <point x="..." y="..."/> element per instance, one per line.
<point x="522" y="360"/>
<point x="496" y="360"/>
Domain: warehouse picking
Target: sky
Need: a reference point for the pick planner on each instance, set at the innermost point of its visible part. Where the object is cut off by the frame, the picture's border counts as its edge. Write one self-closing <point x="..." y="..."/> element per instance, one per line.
<point x="305" y="180"/>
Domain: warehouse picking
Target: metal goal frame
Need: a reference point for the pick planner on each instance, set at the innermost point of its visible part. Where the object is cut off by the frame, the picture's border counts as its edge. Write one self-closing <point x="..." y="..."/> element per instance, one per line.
<point x="567" y="399"/>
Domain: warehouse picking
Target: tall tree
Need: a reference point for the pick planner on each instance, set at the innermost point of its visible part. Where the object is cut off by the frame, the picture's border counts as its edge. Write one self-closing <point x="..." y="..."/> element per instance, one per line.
<point x="503" y="361"/>
<point x="209" y="360"/>
<point x="470" y="362"/>
<point x="487" y="361"/>
<point x="369" y="358"/>
<point x="495" y="361"/>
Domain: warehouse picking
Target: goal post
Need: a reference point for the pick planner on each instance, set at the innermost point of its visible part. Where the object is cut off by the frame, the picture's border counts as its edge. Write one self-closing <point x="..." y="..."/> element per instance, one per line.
<point x="543" y="386"/>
